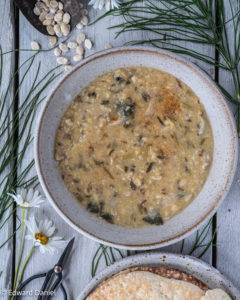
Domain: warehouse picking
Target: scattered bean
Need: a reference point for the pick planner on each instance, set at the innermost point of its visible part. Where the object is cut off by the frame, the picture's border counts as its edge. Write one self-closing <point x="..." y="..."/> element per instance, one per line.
<point x="88" y="44"/>
<point x="35" y="45"/>
<point x="61" y="60"/>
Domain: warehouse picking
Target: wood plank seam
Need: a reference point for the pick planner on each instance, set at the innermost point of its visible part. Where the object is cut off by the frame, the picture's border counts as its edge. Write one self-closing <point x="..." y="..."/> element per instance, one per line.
<point x="15" y="139"/>
<point x="216" y="78"/>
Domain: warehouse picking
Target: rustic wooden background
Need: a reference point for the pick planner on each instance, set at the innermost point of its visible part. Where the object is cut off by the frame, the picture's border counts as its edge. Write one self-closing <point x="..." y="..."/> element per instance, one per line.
<point x="224" y="254"/>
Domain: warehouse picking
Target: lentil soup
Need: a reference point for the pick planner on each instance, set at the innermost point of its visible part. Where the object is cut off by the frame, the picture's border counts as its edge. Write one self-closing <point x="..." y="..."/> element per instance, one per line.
<point x="135" y="146"/>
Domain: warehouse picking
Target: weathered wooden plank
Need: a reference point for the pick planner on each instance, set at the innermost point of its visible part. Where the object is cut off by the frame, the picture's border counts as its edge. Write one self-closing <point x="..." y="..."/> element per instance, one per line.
<point x="228" y="220"/>
<point x="7" y="43"/>
<point x="84" y="249"/>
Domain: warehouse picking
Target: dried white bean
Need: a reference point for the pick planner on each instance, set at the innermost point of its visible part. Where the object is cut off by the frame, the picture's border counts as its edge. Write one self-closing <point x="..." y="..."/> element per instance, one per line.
<point x="37" y="11"/>
<point x="59" y="34"/>
<point x="38" y="4"/>
<point x="77" y="57"/>
<point x="49" y="16"/>
<point x="50" y="30"/>
<point x="81" y="38"/>
<point x="42" y="16"/>
<point x="72" y="45"/>
<point x="58" y="17"/>
<point x="47" y="22"/>
<point x="108" y="46"/>
<point x="57" y="52"/>
<point x="79" y="26"/>
<point x="63" y="47"/>
<point x="60" y="5"/>
<point x="53" y="3"/>
<point x="43" y="6"/>
<point x="84" y="20"/>
<point x="66" y="18"/>
<point x="53" y="10"/>
<point x="80" y="50"/>
<point x="65" y="28"/>
<point x="67" y="68"/>
<point x="46" y="2"/>
<point x="61" y="60"/>
<point x="88" y="44"/>
<point x="57" y="28"/>
<point x="35" y="45"/>
<point x="52" y="41"/>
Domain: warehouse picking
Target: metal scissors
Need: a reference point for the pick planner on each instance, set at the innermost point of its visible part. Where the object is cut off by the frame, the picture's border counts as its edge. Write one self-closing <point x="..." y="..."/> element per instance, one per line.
<point x="53" y="278"/>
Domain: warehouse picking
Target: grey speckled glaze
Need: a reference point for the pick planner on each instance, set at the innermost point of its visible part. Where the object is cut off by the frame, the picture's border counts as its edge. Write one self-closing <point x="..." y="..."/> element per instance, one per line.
<point x="190" y="265"/>
<point x="204" y="205"/>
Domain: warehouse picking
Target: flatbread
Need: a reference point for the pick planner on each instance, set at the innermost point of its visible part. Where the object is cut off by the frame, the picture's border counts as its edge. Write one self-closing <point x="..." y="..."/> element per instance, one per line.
<point x="151" y="283"/>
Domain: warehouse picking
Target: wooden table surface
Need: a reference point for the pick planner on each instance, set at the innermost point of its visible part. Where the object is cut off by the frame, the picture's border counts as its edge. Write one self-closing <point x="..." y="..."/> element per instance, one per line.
<point x="15" y="31"/>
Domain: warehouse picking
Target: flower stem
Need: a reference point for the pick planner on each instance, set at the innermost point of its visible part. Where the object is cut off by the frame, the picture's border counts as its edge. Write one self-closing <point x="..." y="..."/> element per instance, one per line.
<point x="23" y="230"/>
<point x="21" y="274"/>
<point x="25" y="263"/>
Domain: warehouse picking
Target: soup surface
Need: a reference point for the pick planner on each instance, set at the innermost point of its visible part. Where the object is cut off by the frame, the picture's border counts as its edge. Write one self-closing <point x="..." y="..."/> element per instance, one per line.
<point x="135" y="146"/>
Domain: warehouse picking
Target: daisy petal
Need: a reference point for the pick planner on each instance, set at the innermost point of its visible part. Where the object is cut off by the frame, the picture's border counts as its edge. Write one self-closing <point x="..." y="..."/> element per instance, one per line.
<point x="32" y="225"/>
<point x="27" y="198"/>
<point x="42" y="235"/>
<point x="29" y="195"/>
<point x="57" y="238"/>
<point x="42" y="249"/>
<point x="17" y="198"/>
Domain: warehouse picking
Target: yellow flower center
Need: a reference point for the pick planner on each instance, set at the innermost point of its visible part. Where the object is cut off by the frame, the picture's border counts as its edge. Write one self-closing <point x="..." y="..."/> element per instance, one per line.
<point x="42" y="238"/>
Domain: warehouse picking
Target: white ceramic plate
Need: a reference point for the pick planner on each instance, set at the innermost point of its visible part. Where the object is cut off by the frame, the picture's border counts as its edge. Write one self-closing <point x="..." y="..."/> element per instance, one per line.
<point x="190" y="265"/>
<point x="216" y="186"/>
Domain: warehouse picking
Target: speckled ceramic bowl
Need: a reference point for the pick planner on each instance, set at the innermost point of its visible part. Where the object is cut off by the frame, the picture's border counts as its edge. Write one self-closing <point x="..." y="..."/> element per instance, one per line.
<point x="214" y="190"/>
<point x="190" y="265"/>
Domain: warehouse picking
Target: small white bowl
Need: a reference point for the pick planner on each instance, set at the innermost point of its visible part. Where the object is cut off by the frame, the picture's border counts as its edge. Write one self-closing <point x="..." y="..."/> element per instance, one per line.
<point x="215" y="188"/>
<point x="190" y="265"/>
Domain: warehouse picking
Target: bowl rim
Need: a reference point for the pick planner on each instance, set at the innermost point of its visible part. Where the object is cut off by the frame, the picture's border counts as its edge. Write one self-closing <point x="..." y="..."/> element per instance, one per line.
<point x="175" y="261"/>
<point x="219" y="199"/>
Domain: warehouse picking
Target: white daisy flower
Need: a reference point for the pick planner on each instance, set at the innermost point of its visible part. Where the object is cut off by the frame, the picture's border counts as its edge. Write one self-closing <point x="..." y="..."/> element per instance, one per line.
<point x="107" y="4"/>
<point x="42" y="235"/>
<point x="28" y="198"/>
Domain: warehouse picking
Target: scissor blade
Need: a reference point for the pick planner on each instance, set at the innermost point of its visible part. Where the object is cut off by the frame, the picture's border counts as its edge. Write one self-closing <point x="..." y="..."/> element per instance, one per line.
<point x="66" y="253"/>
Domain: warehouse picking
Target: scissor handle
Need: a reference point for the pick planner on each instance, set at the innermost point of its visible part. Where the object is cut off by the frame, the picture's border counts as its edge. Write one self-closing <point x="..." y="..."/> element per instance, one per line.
<point x="24" y="283"/>
<point x="47" y="282"/>
<point x="65" y="297"/>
